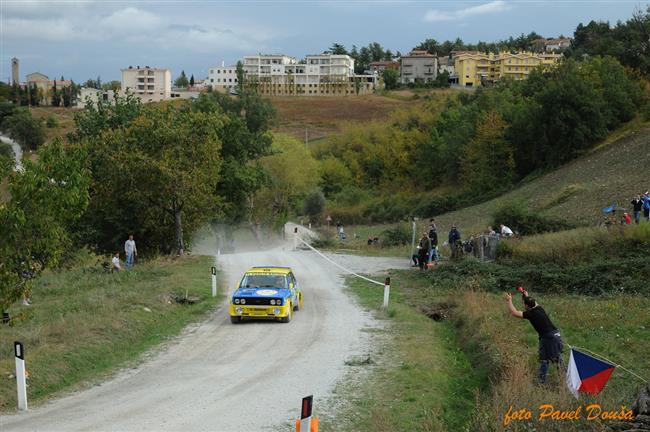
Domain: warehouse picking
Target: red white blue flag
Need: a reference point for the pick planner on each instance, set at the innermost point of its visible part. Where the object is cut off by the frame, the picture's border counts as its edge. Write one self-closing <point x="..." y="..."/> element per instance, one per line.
<point x="587" y="374"/>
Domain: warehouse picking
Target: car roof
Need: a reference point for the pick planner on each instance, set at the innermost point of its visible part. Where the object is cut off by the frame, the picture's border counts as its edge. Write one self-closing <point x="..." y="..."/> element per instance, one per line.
<point x="272" y="269"/>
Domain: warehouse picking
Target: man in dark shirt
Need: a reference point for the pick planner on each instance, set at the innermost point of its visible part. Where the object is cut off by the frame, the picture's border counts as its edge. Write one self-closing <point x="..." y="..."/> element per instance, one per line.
<point x="637" y="205"/>
<point x="550" y="341"/>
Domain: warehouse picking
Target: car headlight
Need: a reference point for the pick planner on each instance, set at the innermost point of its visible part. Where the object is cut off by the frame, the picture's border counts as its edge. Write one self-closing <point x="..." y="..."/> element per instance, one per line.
<point x="236" y="301"/>
<point x="239" y="310"/>
<point x="272" y="302"/>
<point x="276" y="311"/>
<point x="278" y="302"/>
<point x="242" y="301"/>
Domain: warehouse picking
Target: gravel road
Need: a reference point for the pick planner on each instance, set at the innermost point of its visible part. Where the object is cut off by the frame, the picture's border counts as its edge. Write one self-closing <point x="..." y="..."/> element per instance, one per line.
<point x="222" y="377"/>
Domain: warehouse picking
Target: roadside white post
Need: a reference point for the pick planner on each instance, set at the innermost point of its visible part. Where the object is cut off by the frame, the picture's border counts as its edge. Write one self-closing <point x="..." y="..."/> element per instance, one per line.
<point x="295" y="238"/>
<point x="305" y="413"/>
<point x="413" y="238"/>
<point x="214" y="281"/>
<point x="386" y="292"/>
<point x="21" y="383"/>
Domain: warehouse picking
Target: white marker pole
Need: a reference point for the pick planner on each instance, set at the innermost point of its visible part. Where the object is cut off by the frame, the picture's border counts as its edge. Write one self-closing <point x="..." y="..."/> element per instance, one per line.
<point x="305" y="413"/>
<point x="386" y="292"/>
<point x="214" y="281"/>
<point x="21" y="383"/>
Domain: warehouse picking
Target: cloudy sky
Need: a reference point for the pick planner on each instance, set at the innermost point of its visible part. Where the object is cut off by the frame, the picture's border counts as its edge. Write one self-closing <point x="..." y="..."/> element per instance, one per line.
<point x="84" y="39"/>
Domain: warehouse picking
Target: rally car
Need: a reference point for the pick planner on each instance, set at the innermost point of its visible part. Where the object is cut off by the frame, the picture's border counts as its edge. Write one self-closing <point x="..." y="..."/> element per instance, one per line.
<point x="268" y="293"/>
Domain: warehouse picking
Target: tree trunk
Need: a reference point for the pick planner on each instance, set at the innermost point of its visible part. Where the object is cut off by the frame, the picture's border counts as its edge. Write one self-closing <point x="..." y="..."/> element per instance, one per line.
<point x="178" y="228"/>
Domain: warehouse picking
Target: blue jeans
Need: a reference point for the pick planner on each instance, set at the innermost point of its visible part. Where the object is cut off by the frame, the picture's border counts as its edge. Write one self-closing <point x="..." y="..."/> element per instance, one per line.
<point x="433" y="254"/>
<point x="129" y="260"/>
<point x="637" y="216"/>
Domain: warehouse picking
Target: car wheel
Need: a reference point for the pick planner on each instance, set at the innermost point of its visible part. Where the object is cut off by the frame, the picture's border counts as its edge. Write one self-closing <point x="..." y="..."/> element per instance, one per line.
<point x="235" y="319"/>
<point x="288" y="317"/>
<point x="297" y="306"/>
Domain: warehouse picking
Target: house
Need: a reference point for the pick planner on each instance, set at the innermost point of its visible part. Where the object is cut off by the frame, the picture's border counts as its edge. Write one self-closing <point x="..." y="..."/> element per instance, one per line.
<point x="316" y="75"/>
<point x="45" y="85"/>
<point x="148" y="84"/>
<point x="222" y="78"/>
<point x="474" y="69"/>
<point x="418" y="66"/>
<point x="380" y="66"/>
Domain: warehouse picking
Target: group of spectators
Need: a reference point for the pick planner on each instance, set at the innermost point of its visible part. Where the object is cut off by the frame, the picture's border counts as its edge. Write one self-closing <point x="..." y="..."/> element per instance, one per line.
<point x="641" y="203"/>
<point x="427" y="253"/>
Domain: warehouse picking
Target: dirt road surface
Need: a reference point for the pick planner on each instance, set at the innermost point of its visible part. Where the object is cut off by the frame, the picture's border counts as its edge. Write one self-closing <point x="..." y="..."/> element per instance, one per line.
<point x="222" y="377"/>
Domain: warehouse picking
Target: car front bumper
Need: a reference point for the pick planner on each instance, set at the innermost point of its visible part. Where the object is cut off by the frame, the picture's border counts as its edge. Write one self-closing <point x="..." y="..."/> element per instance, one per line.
<point x="259" y="311"/>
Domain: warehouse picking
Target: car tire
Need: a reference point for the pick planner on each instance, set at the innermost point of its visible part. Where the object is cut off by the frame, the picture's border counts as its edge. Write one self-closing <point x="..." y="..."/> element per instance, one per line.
<point x="287" y="319"/>
<point x="297" y="306"/>
<point x="235" y="319"/>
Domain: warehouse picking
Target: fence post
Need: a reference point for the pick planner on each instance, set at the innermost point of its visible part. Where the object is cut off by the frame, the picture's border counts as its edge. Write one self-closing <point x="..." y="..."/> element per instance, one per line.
<point x="386" y="292"/>
<point x="21" y="383"/>
<point x="214" y="281"/>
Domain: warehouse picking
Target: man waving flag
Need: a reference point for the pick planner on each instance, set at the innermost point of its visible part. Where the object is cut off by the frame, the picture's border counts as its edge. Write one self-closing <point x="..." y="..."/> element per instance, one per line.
<point x="587" y="374"/>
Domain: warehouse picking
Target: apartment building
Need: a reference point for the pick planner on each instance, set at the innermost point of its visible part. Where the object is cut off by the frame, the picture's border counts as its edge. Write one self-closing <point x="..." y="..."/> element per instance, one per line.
<point x="222" y="78"/>
<point x="149" y="84"/>
<point x="316" y="75"/>
<point x="474" y="69"/>
<point x="418" y="66"/>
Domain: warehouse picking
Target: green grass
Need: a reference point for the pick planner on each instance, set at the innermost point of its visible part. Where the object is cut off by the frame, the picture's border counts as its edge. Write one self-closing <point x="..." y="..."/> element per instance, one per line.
<point x="420" y="379"/>
<point x="84" y="324"/>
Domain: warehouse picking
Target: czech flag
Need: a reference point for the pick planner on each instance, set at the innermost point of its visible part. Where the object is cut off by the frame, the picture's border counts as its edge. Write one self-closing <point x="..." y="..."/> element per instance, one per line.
<point x="587" y="374"/>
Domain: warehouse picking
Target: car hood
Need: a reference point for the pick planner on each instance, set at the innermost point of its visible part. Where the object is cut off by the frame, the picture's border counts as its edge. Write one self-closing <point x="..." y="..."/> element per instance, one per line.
<point x="262" y="292"/>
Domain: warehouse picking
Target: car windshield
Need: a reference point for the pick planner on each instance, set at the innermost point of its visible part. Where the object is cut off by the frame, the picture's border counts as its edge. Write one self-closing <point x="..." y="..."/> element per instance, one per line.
<point x="264" y="280"/>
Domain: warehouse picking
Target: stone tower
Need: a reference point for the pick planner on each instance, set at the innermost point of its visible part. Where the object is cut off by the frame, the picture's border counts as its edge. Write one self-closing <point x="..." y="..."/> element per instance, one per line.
<point x="15" y="72"/>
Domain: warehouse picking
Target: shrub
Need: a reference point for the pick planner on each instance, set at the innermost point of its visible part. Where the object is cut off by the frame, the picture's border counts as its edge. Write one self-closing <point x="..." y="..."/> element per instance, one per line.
<point x="397" y="236"/>
<point x="52" y="122"/>
<point x="25" y="129"/>
<point x="314" y="205"/>
<point x="521" y="219"/>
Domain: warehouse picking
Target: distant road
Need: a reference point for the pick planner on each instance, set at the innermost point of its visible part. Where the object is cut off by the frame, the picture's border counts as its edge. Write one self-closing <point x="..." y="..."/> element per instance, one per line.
<point x="223" y="377"/>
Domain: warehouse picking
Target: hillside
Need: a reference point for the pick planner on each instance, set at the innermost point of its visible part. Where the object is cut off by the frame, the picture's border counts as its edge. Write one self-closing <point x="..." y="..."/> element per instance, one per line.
<point x="612" y="173"/>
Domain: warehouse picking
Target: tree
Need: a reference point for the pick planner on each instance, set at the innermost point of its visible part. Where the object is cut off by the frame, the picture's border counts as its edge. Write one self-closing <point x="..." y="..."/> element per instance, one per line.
<point x="334" y="175"/>
<point x="25" y="129"/>
<point x="34" y="96"/>
<point x="488" y="161"/>
<point x="56" y="95"/>
<point x="429" y="45"/>
<point x="181" y="81"/>
<point x="391" y="78"/>
<point x="192" y="80"/>
<point x="314" y="205"/>
<point x="112" y="85"/>
<point x="102" y="115"/>
<point x="337" y="48"/>
<point x="239" y="71"/>
<point x="46" y="199"/>
<point x="166" y="163"/>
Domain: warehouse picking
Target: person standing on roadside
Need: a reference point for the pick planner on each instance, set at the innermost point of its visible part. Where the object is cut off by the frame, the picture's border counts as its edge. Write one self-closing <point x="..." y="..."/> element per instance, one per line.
<point x="454" y="242"/>
<point x="424" y="248"/>
<point x="646" y="206"/>
<point x="637" y="207"/>
<point x="433" y="237"/>
<point x="131" y="252"/>
<point x="550" y="341"/>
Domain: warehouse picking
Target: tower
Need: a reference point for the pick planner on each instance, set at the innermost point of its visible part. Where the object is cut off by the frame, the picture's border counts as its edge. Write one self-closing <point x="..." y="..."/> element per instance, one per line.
<point x="15" y="73"/>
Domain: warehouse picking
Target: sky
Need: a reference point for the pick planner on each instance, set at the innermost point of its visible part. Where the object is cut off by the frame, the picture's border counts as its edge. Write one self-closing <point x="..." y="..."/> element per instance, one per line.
<point x="86" y="39"/>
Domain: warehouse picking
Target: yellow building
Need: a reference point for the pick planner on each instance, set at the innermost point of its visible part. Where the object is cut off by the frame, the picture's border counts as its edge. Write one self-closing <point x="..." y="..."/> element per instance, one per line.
<point x="476" y="68"/>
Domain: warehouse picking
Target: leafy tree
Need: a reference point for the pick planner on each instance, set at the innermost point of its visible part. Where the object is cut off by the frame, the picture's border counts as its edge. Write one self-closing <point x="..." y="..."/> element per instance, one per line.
<point x="25" y="129"/>
<point x="429" y="45"/>
<point x="314" y="205"/>
<point x="181" y="81"/>
<point x="6" y="159"/>
<point x="391" y="78"/>
<point x="34" y="95"/>
<point x="488" y="161"/>
<point x="166" y="165"/>
<point x="46" y="198"/>
<point x="56" y="95"/>
<point x="334" y="175"/>
<point x="192" y="80"/>
<point x="112" y="85"/>
<point x="240" y="76"/>
<point x="337" y="48"/>
<point x="102" y="115"/>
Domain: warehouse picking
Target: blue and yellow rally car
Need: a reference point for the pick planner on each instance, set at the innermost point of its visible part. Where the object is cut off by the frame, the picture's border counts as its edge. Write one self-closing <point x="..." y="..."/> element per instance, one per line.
<point x="266" y="292"/>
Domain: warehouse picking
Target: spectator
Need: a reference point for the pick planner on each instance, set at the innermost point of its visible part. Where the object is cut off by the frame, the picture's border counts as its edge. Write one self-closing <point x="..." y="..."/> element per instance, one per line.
<point x="424" y="248"/>
<point x="130" y="252"/>
<point x="627" y="219"/>
<point x="505" y="231"/>
<point x="433" y="237"/>
<point x="550" y="341"/>
<point x="416" y="257"/>
<point x="637" y="207"/>
<point x="646" y="205"/>
<point x="491" y="232"/>
<point x="115" y="263"/>
<point x="454" y="242"/>
<point x="340" y="231"/>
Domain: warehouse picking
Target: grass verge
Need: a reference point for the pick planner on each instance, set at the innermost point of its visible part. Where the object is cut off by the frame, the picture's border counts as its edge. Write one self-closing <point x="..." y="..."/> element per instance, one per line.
<point x="420" y="379"/>
<point x="84" y="324"/>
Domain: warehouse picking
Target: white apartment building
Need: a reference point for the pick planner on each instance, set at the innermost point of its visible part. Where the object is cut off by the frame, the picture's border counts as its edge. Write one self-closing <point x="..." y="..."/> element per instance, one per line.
<point x="149" y="84"/>
<point x="222" y="78"/>
<point x="317" y="75"/>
